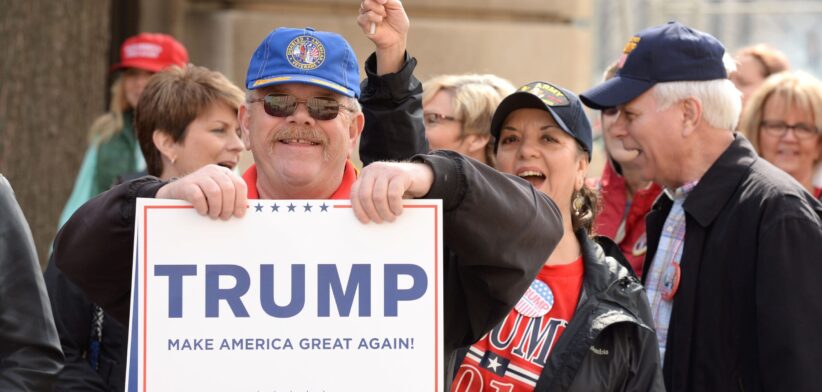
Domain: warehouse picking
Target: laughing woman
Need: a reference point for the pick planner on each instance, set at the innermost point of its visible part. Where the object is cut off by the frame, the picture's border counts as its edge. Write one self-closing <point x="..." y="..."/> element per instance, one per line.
<point x="585" y="324"/>
<point x="186" y="118"/>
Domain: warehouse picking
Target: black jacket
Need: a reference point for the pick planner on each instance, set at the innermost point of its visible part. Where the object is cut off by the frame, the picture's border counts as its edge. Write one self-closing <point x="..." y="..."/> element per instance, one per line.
<point x="486" y="270"/>
<point x="392" y="105"/>
<point x="609" y="344"/>
<point x="748" y="311"/>
<point x="30" y="355"/>
<point x="79" y="322"/>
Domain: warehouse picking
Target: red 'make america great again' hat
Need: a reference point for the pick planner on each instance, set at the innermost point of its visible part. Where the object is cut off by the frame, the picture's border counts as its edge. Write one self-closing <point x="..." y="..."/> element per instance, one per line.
<point x="151" y="52"/>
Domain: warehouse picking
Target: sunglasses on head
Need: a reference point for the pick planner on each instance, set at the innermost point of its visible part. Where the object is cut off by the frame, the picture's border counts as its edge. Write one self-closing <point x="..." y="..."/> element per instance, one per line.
<point x="284" y="105"/>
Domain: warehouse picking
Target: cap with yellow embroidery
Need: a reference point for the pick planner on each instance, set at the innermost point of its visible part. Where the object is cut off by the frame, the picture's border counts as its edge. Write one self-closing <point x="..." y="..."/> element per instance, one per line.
<point x="563" y="105"/>
<point x="671" y="52"/>
<point x="305" y="56"/>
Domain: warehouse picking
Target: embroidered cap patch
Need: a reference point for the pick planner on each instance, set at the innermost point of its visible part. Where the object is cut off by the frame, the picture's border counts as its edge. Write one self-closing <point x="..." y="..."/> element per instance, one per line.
<point x="305" y="53"/>
<point x="549" y="94"/>
<point x="629" y="47"/>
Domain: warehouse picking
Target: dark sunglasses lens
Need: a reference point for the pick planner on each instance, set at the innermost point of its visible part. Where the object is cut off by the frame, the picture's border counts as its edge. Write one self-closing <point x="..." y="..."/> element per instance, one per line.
<point x="322" y="108"/>
<point x="279" y="105"/>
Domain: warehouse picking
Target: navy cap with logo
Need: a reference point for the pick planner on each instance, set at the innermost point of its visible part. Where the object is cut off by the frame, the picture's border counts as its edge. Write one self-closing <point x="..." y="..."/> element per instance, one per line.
<point x="563" y="105"/>
<point x="668" y="53"/>
<point x="306" y="56"/>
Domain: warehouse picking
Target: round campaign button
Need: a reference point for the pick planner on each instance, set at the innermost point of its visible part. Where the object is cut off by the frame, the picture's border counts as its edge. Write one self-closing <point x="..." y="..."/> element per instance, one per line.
<point x="537" y="301"/>
<point x="670" y="281"/>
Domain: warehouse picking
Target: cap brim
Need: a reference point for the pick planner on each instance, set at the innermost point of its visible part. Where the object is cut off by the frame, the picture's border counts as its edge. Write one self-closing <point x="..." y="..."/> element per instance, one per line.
<point x="305" y="79"/>
<point x="521" y="100"/>
<point x="614" y="92"/>
<point x="151" y="66"/>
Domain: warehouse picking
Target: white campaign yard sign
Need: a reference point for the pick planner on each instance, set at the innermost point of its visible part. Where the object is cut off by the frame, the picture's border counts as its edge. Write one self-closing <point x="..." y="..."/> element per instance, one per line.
<point x="295" y="296"/>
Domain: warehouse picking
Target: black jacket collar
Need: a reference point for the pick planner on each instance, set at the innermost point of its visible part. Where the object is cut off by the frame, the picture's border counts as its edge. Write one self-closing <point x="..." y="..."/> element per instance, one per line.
<point x="720" y="182"/>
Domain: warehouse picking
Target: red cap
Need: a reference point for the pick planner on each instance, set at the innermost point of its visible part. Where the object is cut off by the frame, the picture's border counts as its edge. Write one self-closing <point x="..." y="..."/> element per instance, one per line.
<point x="151" y="52"/>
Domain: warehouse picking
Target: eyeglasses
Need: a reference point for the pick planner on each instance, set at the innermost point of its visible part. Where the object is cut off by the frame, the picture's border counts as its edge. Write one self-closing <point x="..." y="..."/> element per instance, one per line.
<point x="780" y="128"/>
<point x="284" y="105"/>
<point x="431" y="119"/>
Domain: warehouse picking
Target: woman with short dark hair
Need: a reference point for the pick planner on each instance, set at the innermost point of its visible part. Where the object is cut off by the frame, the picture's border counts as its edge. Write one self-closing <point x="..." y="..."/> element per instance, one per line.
<point x="186" y="118"/>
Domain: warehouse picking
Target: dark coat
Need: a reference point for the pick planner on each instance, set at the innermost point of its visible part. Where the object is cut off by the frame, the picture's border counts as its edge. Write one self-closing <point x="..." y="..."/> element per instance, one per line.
<point x="392" y="105"/>
<point x="748" y="311"/>
<point x="76" y="319"/>
<point x="610" y="343"/>
<point x="30" y="355"/>
<point x="612" y="317"/>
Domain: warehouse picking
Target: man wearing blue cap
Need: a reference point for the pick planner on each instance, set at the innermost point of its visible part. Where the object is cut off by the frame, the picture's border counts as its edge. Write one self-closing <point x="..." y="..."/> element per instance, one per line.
<point x="301" y="153"/>
<point x="734" y="244"/>
<point x="301" y="120"/>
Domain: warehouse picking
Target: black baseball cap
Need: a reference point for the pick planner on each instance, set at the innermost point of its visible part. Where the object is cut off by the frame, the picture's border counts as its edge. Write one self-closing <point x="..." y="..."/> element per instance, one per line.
<point x="668" y="53"/>
<point x="563" y="105"/>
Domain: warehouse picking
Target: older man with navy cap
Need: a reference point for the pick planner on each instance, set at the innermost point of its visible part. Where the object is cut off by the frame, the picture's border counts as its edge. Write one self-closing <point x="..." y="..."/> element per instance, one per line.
<point x="734" y="244"/>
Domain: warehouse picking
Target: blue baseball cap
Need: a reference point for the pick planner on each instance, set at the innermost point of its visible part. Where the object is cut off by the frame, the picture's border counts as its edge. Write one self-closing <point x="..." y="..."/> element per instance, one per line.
<point x="668" y="53"/>
<point x="306" y="56"/>
<point x="563" y="105"/>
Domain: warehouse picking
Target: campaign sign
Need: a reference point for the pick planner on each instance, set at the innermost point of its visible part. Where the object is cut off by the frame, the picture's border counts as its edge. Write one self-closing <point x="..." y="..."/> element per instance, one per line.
<point x="296" y="296"/>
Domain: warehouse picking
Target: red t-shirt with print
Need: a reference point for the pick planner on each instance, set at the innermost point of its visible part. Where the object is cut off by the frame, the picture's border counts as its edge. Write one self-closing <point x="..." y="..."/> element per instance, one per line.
<point x="511" y="357"/>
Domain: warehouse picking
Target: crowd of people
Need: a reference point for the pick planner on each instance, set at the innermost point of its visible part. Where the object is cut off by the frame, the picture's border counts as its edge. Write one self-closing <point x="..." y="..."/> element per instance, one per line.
<point x="692" y="263"/>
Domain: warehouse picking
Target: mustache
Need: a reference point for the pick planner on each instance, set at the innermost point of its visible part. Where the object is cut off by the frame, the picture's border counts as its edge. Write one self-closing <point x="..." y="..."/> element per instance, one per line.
<point x="302" y="132"/>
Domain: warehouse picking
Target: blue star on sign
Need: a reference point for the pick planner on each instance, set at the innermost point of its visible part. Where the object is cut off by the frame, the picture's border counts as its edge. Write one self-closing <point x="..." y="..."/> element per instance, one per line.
<point x="291" y="207"/>
<point x="258" y="207"/>
<point x="307" y="207"/>
<point x="275" y="208"/>
<point x="323" y="208"/>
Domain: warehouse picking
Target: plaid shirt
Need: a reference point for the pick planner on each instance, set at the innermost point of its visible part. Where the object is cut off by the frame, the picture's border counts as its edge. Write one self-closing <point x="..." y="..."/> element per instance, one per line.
<point x="668" y="252"/>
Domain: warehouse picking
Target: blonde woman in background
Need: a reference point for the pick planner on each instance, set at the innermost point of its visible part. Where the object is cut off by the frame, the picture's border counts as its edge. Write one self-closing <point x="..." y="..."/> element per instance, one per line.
<point x="457" y="111"/>
<point x="113" y="149"/>
<point x="783" y="121"/>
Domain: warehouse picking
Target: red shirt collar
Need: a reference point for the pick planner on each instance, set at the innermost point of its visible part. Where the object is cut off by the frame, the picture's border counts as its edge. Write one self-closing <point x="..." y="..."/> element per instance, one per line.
<point x="343" y="192"/>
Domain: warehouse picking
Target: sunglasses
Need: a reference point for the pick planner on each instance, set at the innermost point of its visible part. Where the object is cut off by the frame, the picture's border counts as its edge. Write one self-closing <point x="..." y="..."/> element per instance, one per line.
<point x="284" y="105"/>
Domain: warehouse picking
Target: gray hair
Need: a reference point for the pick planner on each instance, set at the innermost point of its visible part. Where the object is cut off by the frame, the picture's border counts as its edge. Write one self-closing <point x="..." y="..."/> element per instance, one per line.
<point x="721" y="101"/>
<point x="353" y="103"/>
